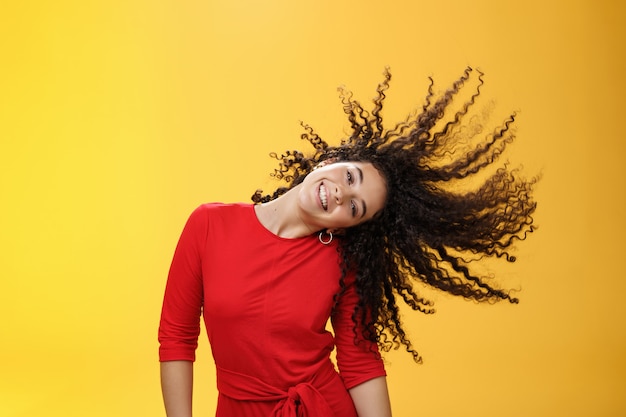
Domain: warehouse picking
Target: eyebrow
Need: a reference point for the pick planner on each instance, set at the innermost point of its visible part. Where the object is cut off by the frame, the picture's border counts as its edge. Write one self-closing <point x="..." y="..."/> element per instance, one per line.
<point x="360" y="173"/>
<point x="361" y="181"/>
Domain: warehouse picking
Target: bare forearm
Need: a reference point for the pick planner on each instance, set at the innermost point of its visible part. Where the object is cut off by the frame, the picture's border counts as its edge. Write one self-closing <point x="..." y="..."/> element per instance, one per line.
<point x="371" y="398"/>
<point x="177" y="387"/>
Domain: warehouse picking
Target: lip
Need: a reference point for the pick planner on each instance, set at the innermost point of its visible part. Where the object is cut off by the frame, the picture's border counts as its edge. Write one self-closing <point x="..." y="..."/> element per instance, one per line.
<point x="319" y="196"/>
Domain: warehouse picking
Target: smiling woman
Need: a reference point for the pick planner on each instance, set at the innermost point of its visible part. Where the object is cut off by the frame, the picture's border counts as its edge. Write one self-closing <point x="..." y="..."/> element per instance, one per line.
<point x="434" y="225"/>
<point x="387" y="196"/>
<point x="340" y="195"/>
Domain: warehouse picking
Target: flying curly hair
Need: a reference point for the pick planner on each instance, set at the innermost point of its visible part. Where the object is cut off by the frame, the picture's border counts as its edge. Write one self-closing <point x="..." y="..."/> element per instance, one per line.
<point x="433" y="229"/>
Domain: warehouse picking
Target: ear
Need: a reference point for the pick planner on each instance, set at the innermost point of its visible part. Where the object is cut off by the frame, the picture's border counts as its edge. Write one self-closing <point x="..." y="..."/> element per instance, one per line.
<point x="337" y="232"/>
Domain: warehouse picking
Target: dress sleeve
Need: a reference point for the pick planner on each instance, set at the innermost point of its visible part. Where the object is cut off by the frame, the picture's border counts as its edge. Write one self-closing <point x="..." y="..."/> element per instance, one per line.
<point x="358" y="361"/>
<point x="182" y="304"/>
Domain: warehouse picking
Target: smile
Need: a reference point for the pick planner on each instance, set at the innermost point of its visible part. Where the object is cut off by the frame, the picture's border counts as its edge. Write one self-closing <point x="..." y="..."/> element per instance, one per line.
<point x="324" y="197"/>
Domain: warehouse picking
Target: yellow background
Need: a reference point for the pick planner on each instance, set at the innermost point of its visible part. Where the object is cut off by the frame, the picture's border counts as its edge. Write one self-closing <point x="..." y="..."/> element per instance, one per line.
<point x="118" y="117"/>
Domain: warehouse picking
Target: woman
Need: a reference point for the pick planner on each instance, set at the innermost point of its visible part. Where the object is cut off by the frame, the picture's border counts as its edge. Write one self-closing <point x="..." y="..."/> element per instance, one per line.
<point x="355" y="226"/>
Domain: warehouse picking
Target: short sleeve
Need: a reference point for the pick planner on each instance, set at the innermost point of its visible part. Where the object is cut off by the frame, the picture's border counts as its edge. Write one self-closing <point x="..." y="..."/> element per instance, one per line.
<point x="358" y="361"/>
<point x="182" y="304"/>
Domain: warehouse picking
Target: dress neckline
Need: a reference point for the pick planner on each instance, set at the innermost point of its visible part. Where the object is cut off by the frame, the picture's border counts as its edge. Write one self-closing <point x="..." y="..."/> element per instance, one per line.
<point x="272" y="234"/>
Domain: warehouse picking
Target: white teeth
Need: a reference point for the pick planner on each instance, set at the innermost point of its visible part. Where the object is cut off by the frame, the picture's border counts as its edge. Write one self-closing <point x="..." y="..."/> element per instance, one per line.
<point x="323" y="197"/>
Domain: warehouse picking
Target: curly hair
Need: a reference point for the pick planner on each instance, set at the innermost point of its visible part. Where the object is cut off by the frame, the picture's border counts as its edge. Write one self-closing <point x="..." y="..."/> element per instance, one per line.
<point x="433" y="228"/>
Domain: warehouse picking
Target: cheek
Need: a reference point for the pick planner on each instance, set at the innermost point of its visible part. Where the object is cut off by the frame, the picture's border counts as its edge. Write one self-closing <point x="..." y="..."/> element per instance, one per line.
<point x="343" y="219"/>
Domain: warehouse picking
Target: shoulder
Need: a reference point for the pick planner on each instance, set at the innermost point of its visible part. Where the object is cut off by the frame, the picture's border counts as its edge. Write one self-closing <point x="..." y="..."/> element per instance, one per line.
<point x="213" y="214"/>
<point x="221" y="209"/>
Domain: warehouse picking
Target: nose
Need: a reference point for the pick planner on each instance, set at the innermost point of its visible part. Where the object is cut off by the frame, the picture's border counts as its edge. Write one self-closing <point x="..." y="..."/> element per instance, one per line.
<point x="338" y="195"/>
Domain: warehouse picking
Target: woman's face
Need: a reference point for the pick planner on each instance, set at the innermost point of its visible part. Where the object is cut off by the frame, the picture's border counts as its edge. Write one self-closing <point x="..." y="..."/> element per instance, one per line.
<point x="341" y="194"/>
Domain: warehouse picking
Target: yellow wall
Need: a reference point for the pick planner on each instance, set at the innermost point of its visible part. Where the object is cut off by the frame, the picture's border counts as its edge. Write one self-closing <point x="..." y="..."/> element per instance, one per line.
<point x="118" y="117"/>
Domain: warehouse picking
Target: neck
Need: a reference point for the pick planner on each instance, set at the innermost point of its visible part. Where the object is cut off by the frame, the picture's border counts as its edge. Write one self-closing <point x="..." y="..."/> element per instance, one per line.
<point x="280" y="216"/>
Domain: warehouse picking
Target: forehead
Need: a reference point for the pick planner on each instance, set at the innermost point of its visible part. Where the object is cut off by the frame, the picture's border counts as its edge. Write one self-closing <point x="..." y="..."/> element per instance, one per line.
<point x="373" y="186"/>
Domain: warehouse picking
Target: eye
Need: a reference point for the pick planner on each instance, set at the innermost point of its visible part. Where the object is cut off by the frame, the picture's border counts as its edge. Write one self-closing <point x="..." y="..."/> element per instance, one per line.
<point x="350" y="178"/>
<point x="353" y="208"/>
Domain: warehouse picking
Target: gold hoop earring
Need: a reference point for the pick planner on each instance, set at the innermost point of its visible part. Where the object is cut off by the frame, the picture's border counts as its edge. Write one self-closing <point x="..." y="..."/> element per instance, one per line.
<point x="325" y="242"/>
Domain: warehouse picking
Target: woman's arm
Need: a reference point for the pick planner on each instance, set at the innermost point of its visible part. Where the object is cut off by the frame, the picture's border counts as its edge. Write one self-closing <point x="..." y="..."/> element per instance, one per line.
<point x="177" y="387"/>
<point x="358" y="360"/>
<point x="371" y="398"/>
<point x="180" y="317"/>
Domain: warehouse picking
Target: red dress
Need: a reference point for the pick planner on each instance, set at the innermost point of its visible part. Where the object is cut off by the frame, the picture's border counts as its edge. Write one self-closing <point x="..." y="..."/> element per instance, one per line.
<point x="265" y="301"/>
